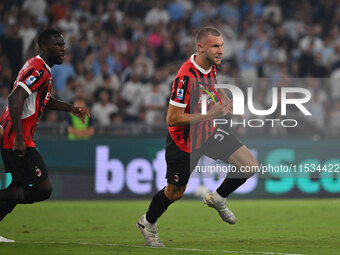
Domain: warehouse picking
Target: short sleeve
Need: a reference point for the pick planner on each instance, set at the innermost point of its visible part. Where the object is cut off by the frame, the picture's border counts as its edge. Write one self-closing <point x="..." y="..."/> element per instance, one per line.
<point x="33" y="79"/>
<point x="180" y="92"/>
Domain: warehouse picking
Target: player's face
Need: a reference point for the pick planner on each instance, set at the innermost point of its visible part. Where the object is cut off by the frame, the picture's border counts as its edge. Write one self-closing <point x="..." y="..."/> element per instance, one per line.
<point x="214" y="49"/>
<point x="56" y="49"/>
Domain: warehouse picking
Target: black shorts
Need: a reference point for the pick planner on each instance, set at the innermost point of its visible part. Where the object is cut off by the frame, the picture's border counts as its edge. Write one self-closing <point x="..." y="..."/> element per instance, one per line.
<point x="177" y="162"/>
<point x="220" y="146"/>
<point x="29" y="169"/>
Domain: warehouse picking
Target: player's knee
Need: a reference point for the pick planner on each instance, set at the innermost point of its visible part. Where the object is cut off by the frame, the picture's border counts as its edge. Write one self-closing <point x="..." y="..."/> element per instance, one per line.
<point x="251" y="168"/>
<point x="45" y="194"/>
<point x="174" y="193"/>
<point x="45" y="185"/>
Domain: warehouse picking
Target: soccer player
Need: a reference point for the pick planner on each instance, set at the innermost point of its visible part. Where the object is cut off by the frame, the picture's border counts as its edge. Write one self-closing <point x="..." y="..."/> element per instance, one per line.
<point x="192" y="134"/>
<point x="30" y="95"/>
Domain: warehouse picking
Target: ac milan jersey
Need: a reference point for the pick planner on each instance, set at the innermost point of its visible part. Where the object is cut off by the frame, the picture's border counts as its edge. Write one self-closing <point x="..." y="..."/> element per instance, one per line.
<point x="36" y="78"/>
<point x="190" y="84"/>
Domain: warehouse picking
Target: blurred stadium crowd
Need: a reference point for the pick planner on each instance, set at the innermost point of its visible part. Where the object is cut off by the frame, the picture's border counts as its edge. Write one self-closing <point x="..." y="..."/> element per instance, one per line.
<point x="122" y="56"/>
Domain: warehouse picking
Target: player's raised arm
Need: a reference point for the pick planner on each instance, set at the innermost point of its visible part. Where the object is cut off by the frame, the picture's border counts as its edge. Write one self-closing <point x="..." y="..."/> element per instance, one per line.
<point x="15" y="106"/>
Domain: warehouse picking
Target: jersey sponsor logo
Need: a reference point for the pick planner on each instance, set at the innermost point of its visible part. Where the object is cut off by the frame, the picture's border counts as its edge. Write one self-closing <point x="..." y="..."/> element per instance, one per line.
<point x="30" y="80"/>
<point x="180" y="93"/>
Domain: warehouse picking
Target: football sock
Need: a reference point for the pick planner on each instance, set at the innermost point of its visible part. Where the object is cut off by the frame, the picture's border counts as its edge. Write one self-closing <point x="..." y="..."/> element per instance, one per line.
<point x="3" y="194"/>
<point x="7" y="206"/>
<point x="218" y="198"/>
<point x="231" y="183"/>
<point x="157" y="207"/>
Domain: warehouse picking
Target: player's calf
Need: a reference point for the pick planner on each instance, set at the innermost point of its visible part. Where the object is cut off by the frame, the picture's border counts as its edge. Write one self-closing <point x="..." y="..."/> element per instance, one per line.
<point x="6" y="208"/>
<point x="244" y="162"/>
<point x="249" y="169"/>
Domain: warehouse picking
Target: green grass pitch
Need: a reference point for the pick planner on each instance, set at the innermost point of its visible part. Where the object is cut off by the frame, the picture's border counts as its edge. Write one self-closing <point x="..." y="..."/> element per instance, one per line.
<point x="188" y="227"/>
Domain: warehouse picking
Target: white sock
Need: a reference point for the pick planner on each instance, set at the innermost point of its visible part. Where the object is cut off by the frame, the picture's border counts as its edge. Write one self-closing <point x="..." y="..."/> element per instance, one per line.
<point x="145" y="221"/>
<point x="217" y="197"/>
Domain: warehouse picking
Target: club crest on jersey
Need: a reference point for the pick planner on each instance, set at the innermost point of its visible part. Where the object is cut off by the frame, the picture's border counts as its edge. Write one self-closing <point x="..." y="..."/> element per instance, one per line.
<point x="48" y="95"/>
<point x="38" y="172"/>
<point x="30" y="80"/>
<point x="180" y="93"/>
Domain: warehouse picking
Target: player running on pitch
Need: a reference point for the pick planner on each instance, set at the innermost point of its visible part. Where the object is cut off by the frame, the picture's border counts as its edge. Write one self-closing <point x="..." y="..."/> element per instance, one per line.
<point x="191" y="134"/>
<point x="30" y="95"/>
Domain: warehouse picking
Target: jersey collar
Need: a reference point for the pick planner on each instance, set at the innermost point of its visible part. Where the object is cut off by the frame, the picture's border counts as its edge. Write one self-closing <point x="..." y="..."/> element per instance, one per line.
<point x="192" y="60"/>
<point x="48" y="67"/>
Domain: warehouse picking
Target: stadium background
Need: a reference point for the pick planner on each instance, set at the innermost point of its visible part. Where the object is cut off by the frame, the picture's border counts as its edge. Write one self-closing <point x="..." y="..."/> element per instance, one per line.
<point x="122" y="57"/>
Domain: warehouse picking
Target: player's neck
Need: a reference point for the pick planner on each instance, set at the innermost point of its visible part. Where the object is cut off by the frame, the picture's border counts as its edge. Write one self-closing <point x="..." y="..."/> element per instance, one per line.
<point x="202" y="62"/>
<point x="45" y="58"/>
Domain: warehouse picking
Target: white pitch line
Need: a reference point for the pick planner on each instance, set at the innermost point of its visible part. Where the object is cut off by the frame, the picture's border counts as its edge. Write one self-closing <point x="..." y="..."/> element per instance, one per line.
<point x="165" y="248"/>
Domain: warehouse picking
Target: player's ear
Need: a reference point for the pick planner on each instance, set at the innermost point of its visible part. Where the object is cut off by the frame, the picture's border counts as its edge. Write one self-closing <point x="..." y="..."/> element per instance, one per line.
<point x="44" y="47"/>
<point x="200" y="48"/>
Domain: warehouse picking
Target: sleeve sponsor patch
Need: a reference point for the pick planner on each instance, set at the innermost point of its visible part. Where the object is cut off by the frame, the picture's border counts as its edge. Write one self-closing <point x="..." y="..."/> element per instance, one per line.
<point x="180" y="93"/>
<point x="30" y="80"/>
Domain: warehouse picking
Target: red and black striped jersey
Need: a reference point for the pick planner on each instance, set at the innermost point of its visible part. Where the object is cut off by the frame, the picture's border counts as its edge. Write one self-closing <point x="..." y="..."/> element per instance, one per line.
<point x="36" y="78"/>
<point x="190" y="84"/>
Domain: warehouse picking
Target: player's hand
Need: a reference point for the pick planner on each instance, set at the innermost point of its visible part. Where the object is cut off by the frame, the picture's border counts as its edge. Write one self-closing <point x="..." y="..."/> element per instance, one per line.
<point x="19" y="146"/>
<point x="219" y="110"/>
<point x="80" y="112"/>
